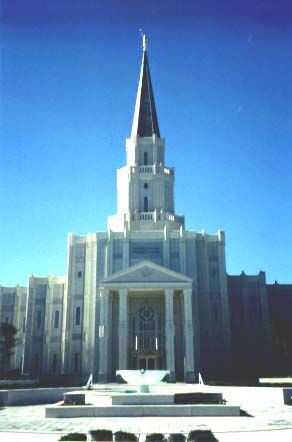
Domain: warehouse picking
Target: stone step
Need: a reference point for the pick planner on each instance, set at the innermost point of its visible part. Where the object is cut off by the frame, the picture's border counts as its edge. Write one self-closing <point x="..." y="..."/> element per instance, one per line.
<point x="58" y="410"/>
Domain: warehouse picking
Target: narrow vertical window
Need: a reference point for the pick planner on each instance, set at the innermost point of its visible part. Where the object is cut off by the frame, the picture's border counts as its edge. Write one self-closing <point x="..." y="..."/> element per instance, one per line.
<point x="145" y="158"/>
<point x="76" y="362"/>
<point x="77" y="316"/>
<point x="54" y="363"/>
<point x="23" y="325"/>
<point x="38" y="319"/>
<point x="145" y="203"/>
<point x="56" y="319"/>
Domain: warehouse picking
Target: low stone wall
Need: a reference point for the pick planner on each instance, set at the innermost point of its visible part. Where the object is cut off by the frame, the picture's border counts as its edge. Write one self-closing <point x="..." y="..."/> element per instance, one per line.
<point x="11" y="382"/>
<point x="3" y="397"/>
<point x="33" y="396"/>
<point x="198" y="398"/>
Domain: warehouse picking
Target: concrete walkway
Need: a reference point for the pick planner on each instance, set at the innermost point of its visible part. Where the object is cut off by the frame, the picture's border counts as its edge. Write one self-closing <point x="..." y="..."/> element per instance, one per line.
<point x="267" y="418"/>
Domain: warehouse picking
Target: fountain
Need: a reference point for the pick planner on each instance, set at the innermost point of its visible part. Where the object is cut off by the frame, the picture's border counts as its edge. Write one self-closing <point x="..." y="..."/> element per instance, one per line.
<point x="162" y="400"/>
<point x="142" y="378"/>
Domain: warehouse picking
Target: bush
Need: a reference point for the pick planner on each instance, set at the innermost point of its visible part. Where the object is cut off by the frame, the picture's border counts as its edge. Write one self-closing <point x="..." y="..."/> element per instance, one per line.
<point x="176" y="437"/>
<point x="74" y="436"/>
<point x="155" y="437"/>
<point x="123" y="436"/>
<point x="101" y="435"/>
<point x="201" y="436"/>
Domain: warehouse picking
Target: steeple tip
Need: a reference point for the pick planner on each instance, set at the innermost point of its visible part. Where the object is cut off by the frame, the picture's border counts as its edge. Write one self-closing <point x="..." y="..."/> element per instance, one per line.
<point x="144" y="40"/>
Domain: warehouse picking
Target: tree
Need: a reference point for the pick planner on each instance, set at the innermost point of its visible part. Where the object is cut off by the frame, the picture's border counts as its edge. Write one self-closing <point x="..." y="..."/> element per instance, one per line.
<point x="7" y="344"/>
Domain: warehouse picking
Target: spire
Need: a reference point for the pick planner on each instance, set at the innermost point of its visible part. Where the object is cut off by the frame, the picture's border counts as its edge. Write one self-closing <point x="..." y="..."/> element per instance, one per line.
<point x="145" y="122"/>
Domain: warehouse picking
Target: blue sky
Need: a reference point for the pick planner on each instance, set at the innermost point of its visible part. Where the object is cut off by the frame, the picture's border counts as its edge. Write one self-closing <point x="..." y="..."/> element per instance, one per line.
<point x="221" y="73"/>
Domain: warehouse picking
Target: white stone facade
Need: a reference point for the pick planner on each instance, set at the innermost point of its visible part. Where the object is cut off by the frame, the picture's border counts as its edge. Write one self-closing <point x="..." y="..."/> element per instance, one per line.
<point x="145" y="294"/>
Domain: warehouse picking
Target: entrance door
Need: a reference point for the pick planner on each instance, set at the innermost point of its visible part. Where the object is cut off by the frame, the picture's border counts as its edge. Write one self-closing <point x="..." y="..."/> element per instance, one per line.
<point x="151" y="363"/>
<point x="147" y="363"/>
<point x="142" y="364"/>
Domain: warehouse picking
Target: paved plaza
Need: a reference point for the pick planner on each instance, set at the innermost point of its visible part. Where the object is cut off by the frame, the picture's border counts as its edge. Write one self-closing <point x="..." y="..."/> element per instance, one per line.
<point x="265" y="417"/>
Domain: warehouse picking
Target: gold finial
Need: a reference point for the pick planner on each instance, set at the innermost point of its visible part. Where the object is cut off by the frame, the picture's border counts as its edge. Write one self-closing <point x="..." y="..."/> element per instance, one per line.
<point x="144" y="40"/>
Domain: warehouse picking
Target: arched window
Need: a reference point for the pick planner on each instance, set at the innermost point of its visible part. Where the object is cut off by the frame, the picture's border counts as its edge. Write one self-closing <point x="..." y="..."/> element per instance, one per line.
<point x="38" y="319"/>
<point x="147" y="331"/>
<point x="56" y="319"/>
<point x="145" y="158"/>
<point x="77" y="316"/>
<point x="147" y="328"/>
<point x="54" y="363"/>
<point x="145" y="203"/>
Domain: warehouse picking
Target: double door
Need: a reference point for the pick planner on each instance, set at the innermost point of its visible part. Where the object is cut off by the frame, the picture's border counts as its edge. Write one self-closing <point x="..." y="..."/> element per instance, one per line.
<point x="147" y="363"/>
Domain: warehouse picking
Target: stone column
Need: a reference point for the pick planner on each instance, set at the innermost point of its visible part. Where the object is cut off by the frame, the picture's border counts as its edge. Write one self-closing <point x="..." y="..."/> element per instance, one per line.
<point x="123" y="329"/>
<point x="188" y="331"/>
<point x="103" y="336"/>
<point x="169" y="334"/>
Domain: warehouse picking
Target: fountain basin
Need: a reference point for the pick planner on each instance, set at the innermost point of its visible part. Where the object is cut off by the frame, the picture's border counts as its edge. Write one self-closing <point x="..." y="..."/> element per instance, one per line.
<point x="166" y="400"/>
<point x="143" y="378"/>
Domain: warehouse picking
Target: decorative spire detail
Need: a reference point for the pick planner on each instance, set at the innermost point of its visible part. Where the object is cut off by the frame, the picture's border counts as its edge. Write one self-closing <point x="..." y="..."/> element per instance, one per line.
<point x="145" y="122"/>
<point x="144" y="40"/>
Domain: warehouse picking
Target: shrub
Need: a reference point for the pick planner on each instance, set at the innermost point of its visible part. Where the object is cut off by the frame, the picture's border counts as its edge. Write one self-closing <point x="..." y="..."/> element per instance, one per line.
<point x="155" y="437"/>
<point x="201" y="436"/>
<point x="101" y="435"/>
<point x="74" y="436"/>
<point x="123" y="436"/>
<point x="176" y="437"/>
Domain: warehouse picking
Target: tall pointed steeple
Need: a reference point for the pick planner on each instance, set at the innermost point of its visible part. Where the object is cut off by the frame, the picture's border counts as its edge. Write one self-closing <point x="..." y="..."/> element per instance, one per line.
<point x="145" y="122"/>
<point x="145" y="185"/>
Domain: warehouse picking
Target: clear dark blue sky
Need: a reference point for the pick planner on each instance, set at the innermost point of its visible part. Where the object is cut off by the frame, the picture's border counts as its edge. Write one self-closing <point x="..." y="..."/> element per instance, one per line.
<point x="221" y="73"/>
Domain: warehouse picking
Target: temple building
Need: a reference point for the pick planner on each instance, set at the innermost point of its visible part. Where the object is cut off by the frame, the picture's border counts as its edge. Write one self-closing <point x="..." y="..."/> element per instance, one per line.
<point x="146" y="293"/>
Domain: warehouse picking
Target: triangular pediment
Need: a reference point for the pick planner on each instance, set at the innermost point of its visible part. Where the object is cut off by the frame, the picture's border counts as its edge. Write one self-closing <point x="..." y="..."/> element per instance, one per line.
<point x="147" y="272"/>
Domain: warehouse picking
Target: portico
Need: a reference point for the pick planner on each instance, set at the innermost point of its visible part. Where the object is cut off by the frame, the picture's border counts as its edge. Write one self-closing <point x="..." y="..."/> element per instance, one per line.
<point x="145" y="328"/>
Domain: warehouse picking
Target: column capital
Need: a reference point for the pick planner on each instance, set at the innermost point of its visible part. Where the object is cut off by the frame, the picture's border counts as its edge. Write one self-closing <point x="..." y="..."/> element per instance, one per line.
<point x="187" y="295"/>
<point x="168" y="295"/>
<point x="103" y="291"/>
<point x="123" y="291"/>
<point x="169" y="292"/>
<point x="187" y="291"/>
